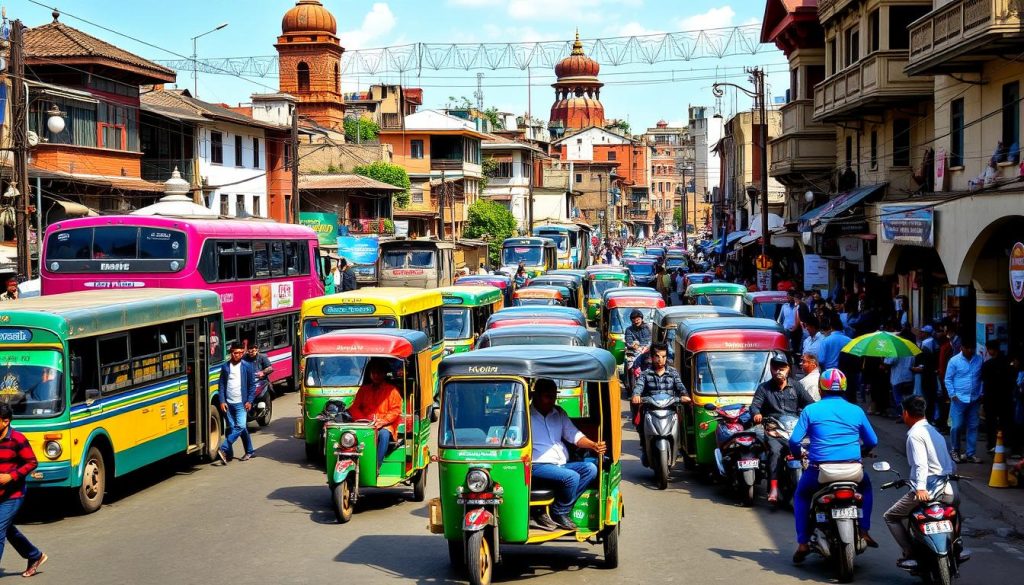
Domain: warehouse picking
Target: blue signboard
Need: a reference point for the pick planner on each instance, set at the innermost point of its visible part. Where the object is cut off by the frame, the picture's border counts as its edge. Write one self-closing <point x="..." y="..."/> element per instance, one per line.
<point x="15" y="335"/>
<point x="909" y="225"/>
<point x="349" y="309"/>
<point x="359" y="250"/>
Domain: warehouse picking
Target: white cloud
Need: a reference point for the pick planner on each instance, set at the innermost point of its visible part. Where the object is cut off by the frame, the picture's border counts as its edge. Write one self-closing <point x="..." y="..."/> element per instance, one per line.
<point x="713" y="18"/>
<point x="518" y="34"/>
<point x="378" y="22"/>
<point x="570" y="11"/>
<point x="632" y="29"/>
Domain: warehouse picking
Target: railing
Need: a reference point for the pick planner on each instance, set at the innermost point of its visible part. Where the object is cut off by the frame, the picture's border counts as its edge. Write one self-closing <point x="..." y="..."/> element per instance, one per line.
<point x="880" y="74"/>
<point x="446" y="164"/>
<point x="391" y="121"/>
<point x="160" y="169"/>
<point x="371" y="226"/>
<point x="798" y="117"/>
<point x="962" y="21"/>
<point x="830" y="8"/>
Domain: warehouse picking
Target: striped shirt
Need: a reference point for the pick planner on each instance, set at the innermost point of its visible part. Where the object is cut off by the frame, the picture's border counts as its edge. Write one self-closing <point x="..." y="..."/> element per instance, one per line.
<point x="16" y="459"/>
<point x="668" y="382"/>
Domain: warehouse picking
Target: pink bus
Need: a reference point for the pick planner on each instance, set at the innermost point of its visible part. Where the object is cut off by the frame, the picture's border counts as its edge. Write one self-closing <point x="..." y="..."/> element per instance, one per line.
<point x="262" y="270"/>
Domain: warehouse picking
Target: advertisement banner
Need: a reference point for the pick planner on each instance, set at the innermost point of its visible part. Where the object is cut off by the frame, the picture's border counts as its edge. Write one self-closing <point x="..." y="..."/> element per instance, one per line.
<point x="1017" y="272"/>
<point x="815" y="272"/>
<point x="324" y="224"/>
<point x="908" y="225"/>
<point x="359" y="250"/>
<point x="764" y="280"/>
<point x="276" y="295"/>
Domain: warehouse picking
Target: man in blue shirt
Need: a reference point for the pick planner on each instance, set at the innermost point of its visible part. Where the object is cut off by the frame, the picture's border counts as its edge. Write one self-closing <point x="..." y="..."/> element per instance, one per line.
<point x="830" y="347"/>
<point x="963" y="384"/>
<point x="839" y="432"/>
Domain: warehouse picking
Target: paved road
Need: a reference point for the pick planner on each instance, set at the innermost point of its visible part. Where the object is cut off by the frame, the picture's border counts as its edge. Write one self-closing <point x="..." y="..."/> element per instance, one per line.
<point x="268" y="521"/>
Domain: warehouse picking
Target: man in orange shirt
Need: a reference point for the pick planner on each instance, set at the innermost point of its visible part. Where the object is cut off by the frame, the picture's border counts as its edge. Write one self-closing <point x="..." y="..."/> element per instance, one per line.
<point x="381" y="403"/>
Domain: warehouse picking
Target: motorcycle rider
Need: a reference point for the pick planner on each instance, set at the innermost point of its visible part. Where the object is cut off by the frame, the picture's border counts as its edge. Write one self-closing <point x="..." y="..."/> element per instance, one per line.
<point x="259" y="362"/>
<point x="777" y="398"/>
<point x="839" y="432"/>
<point x="657" y="379"/>
<point x="638" y="335"/>
<point x="929" y="461"/>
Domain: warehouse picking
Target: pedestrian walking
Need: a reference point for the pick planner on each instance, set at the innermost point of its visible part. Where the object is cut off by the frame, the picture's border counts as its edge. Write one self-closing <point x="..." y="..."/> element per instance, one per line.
<point x="945" y="354"/>
<point x="789" y="318"/>
<point x="809" y="364"/>
<point x="17" y="460"/>
<point x="236" y="391"/>
<point x="925" y="368"/>
<point x="998" y="381"/>
<point x="963" y="382"/>
<point x="348" y="278"/>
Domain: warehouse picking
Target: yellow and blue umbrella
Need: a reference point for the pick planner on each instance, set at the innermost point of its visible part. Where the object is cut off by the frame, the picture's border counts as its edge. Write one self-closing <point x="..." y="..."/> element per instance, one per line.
<point x="881" y="344"/>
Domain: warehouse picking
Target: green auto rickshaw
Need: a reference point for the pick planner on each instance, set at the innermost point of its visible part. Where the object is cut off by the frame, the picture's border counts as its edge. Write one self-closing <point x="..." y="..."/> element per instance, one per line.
<point x="719" y="294"/>
<point x="487" y="489"/>
<point x="343" y="359"/>
<point x="597" y="284"/>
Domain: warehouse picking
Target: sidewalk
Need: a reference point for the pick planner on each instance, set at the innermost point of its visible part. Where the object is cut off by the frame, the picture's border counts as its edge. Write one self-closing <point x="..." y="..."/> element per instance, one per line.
<point x="1006" y="504"/>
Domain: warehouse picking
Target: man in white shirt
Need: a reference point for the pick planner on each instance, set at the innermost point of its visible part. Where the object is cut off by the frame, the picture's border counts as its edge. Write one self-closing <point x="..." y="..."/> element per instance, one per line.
<point x="551" y="429"/>
<point x="789" y="319"/>
<point x="813" y="329"/>
<point x="929" y="463"/>
<point x="809" y="364"/>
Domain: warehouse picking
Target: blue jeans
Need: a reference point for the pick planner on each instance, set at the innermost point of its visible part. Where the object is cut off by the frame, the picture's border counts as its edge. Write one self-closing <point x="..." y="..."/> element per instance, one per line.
<point x="383" y="438"/>
<point x="899" y="392"/>
<point x="965" y="418"/>
<point x="569" y="482"/>
<point x="806" y="489"/>
<point x="236" y="416"/>
<point x="8" y="510"/>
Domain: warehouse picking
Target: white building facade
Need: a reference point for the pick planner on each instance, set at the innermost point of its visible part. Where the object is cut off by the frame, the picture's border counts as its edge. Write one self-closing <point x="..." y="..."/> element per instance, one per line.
<point x="233" y="168"/>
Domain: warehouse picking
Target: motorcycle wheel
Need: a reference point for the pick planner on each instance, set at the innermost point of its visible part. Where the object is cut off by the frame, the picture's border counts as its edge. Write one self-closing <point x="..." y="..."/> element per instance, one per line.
<point x="419" y="485"/>
<point x="263" y="418"/>
<point x="341" y="499"/>
<point x="941" y="574"/>
<point x="844" y="562"/>
<point x="479" y="560"/>
<point x="661" y="470"/>
<point x="747" y="495"/>
<point x="611" y="547"/>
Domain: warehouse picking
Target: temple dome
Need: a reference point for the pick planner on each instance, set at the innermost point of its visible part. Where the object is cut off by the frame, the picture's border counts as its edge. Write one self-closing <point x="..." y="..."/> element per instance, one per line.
<point x="309" y="16"/>
<point x="577" y="64"/>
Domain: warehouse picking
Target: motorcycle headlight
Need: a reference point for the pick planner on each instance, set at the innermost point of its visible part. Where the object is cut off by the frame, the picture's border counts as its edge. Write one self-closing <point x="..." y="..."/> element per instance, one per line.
<point x="477" y="480"/>
<point x="53" y="449"/>
<point x="348" y="440"/>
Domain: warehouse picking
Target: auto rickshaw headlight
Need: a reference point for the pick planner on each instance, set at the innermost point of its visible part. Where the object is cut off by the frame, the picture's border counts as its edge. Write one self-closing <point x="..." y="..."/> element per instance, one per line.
<point x="348" y="440"/>
<point x="53" y="449"/>
<point x="477" y="480"/>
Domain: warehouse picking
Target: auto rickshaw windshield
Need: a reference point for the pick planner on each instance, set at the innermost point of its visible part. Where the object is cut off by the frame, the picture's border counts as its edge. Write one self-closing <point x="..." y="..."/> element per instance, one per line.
<point x="619" y="318"/>
<point x="335" y="371"/>
<point x="528" y="255"/>
<point x="730" y="301"/>
<point x="456" y="323"/>
<point x="483" y="413"/>
<point x="318" y="326"/>
<point x="768" y="310"/>
<point x="731" y="372"/>
<point x="597" y="287"/>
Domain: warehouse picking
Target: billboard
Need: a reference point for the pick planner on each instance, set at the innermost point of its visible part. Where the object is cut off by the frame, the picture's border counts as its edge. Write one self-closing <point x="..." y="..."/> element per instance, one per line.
<point x="324" y="224"/>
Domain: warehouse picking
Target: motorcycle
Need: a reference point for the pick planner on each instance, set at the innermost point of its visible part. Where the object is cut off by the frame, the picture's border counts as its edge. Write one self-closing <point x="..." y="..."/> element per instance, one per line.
<point x="938" y="548"/>
<point x="835" y="514"/>
<point x="739" y="451"/>
<point x="781" y="428"/>
<point x="659" y="418"/>
<point x="263" y="404"/>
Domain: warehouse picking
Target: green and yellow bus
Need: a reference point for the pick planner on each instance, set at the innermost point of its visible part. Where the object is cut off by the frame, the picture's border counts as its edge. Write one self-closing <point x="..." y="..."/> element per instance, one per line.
<point x="465" y="313"/>
<point x="372" y="307"/>
<point x="105" y="382"/>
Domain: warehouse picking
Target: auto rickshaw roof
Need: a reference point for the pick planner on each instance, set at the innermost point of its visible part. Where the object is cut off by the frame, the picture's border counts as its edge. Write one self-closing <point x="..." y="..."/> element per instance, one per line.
<point x="622" y="276"/>
<point x="538" y="311"/>
<point x="581" y="274"/>
<point x="639" y="260"/>
<point x="556" y="279"/>
<point x="692" y="326"/>
<point x="499" y="281"/>
<point x="529" y="242"/>
<point x="542" y="292"/>
<point x="532" y="321"/>
<point x="672" y="315"/>
<point x="631" y="291"/>
<point x="738" y="340"/>
<point x="470" y="296"/>
<point x="398" y="343"/>
<point x="767" y="296"/>
<point x="561" y="362"/>
<point x="537" y="335"/>
<point x="716" y="288"/>
<point x="606" y="268"/>
<point x="635" y="302"/>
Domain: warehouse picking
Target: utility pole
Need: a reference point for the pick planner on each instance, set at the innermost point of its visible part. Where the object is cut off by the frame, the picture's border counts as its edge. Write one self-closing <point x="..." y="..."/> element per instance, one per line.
<point x="682" y="205"/>
<point x="760" y="89"/>
<point x="479" y="93"/>
<point x="295" y="163"/>
<point x="529" y="130"/>
<point x="19" y="135"/>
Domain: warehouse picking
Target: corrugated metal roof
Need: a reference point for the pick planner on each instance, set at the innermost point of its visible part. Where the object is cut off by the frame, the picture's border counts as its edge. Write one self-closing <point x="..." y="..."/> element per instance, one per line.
<point x="330" y="182"/>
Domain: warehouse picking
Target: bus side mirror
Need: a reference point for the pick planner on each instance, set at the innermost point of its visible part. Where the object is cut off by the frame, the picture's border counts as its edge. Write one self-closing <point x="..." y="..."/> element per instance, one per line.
<point x="91" y="395"/>
<point x="76" y="368"/>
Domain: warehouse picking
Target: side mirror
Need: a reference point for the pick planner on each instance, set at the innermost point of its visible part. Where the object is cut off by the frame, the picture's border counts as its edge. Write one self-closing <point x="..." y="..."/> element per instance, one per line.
<point x="881" y="466"/>
<point x="711" y="407"/>
<point x="91" y="395"/>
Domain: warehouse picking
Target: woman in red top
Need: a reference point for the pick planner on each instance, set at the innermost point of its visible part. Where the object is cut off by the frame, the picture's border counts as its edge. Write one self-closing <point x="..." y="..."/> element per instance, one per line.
<point x="381" y="403"/>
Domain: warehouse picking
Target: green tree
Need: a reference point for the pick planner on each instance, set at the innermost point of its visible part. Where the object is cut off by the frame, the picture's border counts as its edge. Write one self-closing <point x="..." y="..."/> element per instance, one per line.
<point x="489" y="169"/>
<point x="361" y="130"/>
<point x="677" y="218"/>
<point x="492" y="116"/>
<point x="620" y="125"/>
<point x="391" y="174"/>
<point x="487" y="218"/>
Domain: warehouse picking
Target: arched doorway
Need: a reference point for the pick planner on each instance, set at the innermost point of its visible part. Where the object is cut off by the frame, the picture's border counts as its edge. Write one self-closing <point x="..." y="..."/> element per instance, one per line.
<point x="996" y="314"/>
<point x="918" y="273"/>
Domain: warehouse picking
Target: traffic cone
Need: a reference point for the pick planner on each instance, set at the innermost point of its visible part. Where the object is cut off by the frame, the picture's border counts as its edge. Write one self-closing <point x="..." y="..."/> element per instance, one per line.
<point x="998" y="477"/>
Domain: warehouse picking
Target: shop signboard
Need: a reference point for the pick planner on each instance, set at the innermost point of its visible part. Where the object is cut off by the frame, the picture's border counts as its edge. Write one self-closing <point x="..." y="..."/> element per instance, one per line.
<point x="1017" y="272"/>
<point x="908" y="225"/>
<point x="815" y="272"/>
<point x="324" y="224"/>
<point x="764" y="280"/>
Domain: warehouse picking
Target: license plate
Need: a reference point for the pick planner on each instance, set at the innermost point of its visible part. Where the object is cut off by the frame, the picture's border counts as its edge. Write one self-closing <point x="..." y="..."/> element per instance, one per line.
<point x="940" y="527"/>
<point x="748" y="464"/>
<point x="845" y="513"/>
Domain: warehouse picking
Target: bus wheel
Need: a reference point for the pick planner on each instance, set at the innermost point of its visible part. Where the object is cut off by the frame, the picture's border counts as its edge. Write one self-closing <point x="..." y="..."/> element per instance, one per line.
<point x="94" y="482"/>
<point x="216" y="433"/>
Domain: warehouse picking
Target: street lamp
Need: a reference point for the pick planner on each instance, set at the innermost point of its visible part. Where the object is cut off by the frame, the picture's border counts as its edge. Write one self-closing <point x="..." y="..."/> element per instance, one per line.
<point x="758" y="94"/>
<point x="195" y="56"/>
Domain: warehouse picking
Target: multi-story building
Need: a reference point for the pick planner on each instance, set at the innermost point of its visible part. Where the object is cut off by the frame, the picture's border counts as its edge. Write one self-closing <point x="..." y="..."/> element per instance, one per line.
<point x="385" y="104"/>
<point x="740" y="153"/>
<point x="706" y="133"/>
<point x="514" y="174"/>
<point x="596" y="192"/>
<point x="673" y="176"/>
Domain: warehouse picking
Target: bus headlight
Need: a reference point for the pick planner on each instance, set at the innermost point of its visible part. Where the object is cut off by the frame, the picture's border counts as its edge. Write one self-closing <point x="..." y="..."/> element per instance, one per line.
<point x="53" y="449"/>
<point x="348" y="440"/>
<point x="477" y="480"/>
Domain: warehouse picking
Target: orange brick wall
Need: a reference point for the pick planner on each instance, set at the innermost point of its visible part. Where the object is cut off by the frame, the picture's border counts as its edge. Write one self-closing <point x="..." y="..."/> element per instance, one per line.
<point x="87" y="161"/>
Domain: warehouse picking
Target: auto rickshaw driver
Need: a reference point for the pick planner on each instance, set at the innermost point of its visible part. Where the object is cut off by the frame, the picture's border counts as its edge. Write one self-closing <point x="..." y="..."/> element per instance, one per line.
<point x="379" y="402"/>
<point x="551" y="429"/>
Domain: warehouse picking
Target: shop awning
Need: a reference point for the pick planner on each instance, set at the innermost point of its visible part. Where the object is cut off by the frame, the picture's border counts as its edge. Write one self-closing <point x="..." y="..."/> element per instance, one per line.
<point x="731" y="238"/>
<point x="844" y="201"/>
<point x="775" y="224"/>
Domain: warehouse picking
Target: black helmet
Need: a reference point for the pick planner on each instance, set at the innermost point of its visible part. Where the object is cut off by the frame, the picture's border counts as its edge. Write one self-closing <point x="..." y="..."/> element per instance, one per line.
<point x="636" y="314"/>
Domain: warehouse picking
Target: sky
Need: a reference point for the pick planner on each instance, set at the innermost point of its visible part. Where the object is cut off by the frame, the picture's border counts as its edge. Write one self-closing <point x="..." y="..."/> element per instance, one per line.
<point x="640" y="93"/>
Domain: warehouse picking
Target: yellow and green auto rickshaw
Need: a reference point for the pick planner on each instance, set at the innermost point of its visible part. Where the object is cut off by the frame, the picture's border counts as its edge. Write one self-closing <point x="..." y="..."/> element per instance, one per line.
<point x="488" y="492"/>
<point x="597" y="284"/>
<point x="466" y="310"/>
<point x="719" y="294"/>
<point x="615" y="319"/>
<point x="568" y="281"/>
<point x="344" y="359"/>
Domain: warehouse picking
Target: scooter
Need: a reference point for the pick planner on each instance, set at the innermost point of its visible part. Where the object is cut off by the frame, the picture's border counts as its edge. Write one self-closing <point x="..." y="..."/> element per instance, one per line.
<point x="659" y="418"/>
<point x="835" y="514"/>
<point x="739" y="454"/>
<point x="781" y="428"/>
<point x="263" y="404"/>
<point x="938" y="548"/>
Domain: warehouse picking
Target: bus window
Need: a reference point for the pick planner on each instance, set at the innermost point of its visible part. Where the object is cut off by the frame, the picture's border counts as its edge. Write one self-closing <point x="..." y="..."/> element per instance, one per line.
<point x="116" y="243"/>
<point x="293" y="258"/>
<point x="85" y="349"/>
<point x="281" y="338"/>
<point x="261" y="259"/>
<point x="161" y="244"/>
<point x="244" y="268"/>
<point x="70" y="245"/>
<point x="225" y="261"/>
<point x="114" y="369"/>
<point x="277" y="258"/>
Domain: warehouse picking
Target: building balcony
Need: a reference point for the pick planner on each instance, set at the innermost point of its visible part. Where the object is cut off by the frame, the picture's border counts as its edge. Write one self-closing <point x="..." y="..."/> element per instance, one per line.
<point x="391" y="121"/>
<point x="467" y="169"/>
<point x="963" y="33"/>
<point x="804" y="145"/>
<point x="635" y="215"/>
<point x="159" y="170"/>
<point x="828" y="9"/>
<point x="875" y="83"/>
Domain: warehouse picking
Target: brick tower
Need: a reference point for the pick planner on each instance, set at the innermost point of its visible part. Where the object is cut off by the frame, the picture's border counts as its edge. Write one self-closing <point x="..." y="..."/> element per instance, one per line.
<point x="577" y="91"/>
<point x="309" y="56"/>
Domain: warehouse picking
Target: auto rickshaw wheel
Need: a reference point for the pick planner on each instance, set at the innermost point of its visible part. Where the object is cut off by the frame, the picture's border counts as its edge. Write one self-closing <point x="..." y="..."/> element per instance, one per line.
<point x="341" y="498"/>
<point x="611" y="547"/>
<point x="419" y="485"/>
<point x="479" y="559"/>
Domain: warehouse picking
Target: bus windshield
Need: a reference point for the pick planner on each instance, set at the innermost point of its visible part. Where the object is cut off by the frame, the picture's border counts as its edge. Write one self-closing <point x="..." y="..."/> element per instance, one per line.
<point x="729" y="301"/>
<point x="560" y="240"/>
<point x="335" y="371"/>
<point x="620" y="318"/>
<point x="456" y="323"/>
<point x="482" y="413"/>
<point x="641" y="268"/>
<point x="409" y="259"/>
<point x="731" y="372"/>
<point x="528" y="255"/>
<point x="318" y="326"/>
<point x="31" y="382"/>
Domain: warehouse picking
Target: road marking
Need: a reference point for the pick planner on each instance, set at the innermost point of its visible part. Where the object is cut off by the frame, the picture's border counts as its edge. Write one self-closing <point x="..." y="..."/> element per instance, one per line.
<point x="1010" y="549"/>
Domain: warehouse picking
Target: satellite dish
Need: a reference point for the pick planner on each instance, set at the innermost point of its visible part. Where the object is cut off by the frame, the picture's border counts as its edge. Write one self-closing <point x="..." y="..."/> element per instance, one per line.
<point x="33" y="139"/>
